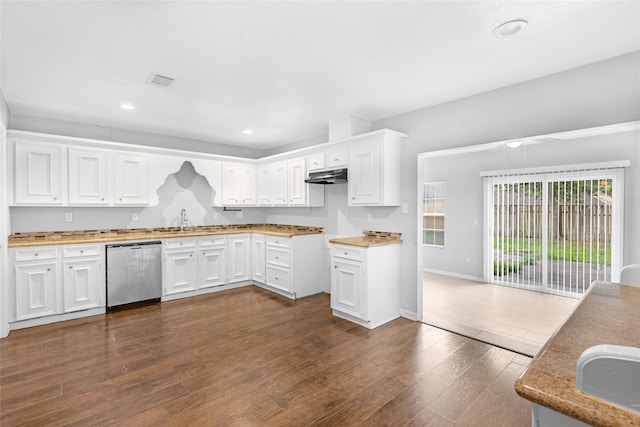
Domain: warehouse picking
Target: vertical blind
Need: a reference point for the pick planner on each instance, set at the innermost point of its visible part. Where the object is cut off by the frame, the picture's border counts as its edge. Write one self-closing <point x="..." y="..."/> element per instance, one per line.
<point x="554" y="232"/>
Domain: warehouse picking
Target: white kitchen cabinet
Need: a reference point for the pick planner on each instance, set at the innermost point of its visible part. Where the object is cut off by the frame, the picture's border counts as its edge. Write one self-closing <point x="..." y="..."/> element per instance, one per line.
<point x="38" y="174"/>
<point x="272" y="184"/>
<point x="131" y="179"/>
<point x="258" y="243"/>
<point x="374" y="170"/>
<point x="297" y="189"/>
<point x="365" y="283"/>
<point x="88" y="176"/>
<point x="212" y="262"/>
<point x="238" y="184"/>
<point x="180" y="266"/>
<point x="294" y="266"/>
<point x="337" y="158"/>
<point x="36" y="281"/>
<point x="84" y="277"/>
<point x="316" y="162"/>
<point x="239" y="248"/>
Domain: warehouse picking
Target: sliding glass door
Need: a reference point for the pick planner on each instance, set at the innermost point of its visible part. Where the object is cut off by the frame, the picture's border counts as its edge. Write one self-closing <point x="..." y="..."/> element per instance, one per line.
<point x="554" y="232"/>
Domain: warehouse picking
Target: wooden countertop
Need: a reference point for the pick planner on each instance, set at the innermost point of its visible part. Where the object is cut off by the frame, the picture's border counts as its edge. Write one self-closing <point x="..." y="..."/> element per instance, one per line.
<point x="608" y="314"/>
<point x="368" y="240"/>
<point x="18" y="240"/>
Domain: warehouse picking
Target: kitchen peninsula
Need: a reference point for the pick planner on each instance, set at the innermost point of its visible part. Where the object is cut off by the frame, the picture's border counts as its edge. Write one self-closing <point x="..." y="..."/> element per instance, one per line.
<point x="550" y="380"/>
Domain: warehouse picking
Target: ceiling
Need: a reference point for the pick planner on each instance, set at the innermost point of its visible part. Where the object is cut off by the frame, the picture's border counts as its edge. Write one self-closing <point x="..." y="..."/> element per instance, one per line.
<point x="285" y="69"/>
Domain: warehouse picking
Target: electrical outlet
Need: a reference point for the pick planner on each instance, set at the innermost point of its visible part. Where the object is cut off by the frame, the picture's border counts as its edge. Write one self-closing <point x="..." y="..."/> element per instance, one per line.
<point x="475" y="222"/>
<point x="215" y="215"/>
<point x="239" y="214"/>
<point x="68" y="217"/>
<point x="370" y="217"/>
<point x="467" y="260"/>
<point x="405" y="207"/>
<point x="134" y="216"/>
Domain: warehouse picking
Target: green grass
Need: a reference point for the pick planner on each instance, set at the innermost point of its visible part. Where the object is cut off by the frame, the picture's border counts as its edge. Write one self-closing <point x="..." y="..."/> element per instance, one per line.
<point x="531" y="250"/>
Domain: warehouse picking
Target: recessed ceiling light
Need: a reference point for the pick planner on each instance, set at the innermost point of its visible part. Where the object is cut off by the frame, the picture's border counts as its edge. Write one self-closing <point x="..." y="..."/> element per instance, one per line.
<point x="510" y="28"/>
<point x="247" y="132"/>
<point x="127" y="107"/>
<point x="514" y="144"/>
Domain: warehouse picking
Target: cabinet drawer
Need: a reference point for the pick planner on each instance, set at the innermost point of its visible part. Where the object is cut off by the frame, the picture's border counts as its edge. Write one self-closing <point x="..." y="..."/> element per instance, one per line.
<point x="81" y="251"/>
<point x="282" y="242"/>
<point x="173" y="244"/>
<point x="315" y="162"/>
<point x="278" y="277"/>
<point x="31" y="254"/>
<point x="278" y="256"/>
<point x="212" y="240"/>
<point x="348" y="252"/>
<point x="337" y="158"/>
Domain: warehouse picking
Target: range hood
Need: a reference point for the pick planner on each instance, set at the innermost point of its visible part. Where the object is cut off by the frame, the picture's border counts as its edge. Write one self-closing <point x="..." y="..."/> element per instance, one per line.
<point x="335" y="176"/>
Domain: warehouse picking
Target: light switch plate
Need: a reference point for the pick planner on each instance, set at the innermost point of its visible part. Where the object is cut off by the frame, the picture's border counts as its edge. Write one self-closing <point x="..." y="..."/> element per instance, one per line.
<point x="68" y="217"/>
<point x="405" y="207"/>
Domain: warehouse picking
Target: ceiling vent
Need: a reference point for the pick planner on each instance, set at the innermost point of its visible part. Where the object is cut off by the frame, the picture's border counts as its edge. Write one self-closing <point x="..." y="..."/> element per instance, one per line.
<point x="160" y="81"/>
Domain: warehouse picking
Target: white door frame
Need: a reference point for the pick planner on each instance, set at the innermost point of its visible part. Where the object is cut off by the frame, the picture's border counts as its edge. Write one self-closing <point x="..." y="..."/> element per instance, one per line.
<point x="420" y="266"/>
<point x="4" y="233"/>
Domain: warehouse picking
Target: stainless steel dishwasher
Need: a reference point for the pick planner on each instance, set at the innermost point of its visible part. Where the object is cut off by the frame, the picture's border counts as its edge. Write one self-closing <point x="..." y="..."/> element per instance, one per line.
<point x="134" y="274"/>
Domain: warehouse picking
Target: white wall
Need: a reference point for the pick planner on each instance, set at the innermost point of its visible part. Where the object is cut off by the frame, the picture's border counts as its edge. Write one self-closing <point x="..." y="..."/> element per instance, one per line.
<point x="465" y="192"/>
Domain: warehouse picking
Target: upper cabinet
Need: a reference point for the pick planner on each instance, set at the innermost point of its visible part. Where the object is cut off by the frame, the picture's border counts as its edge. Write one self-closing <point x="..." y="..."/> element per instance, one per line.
<point x="88" y="177"/>
<point x="131" y="179"/>
<point x="38" y="174"/>
<point x="238" y="184"/>
<point x="374" y="169"/>
<point x="282" y="184"/>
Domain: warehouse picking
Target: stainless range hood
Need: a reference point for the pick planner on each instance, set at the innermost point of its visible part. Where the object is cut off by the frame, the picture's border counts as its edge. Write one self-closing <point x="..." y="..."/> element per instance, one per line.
<point x="335" y="176"/>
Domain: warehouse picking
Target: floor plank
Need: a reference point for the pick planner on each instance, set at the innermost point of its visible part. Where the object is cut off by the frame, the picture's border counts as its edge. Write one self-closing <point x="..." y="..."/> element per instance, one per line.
<point x="249" y="357"/>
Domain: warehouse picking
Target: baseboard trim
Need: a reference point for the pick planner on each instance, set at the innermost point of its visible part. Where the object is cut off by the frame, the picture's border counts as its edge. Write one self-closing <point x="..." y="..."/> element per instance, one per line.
<point x="456" y="275"/>
<point x="411" y="315"/>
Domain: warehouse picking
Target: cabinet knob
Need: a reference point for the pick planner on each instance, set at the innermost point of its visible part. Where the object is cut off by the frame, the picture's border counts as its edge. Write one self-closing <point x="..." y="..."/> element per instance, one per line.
<point x="70" y="267"/>
<point x="346" y="253"/>
<point x="335" y="160"/>
<point x="48" y="269"/>
<point x="55" y="198"/>
<point x="36" y="254"/>
<point x="120" y="199"/>
<point x="102" y="199"/>
<point x="81" y="251"/>
<point x="353" y="198"/>
<point x="335" y="266"/>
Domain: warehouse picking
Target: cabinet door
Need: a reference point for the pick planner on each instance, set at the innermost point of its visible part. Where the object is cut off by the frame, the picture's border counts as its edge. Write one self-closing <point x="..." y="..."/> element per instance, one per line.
<point x="347" y="288"/>
<point x="37" y="173"/>
<point x="364" y="174"/>
<point x="88" y="177"/>
<point x="131" y="179"/>
<point x="180" y="272"/>
<point x="239" y="258"/>
<point x="35" y="290"/>
<point x="212" y="266"/>
<point x="264" y="185"/>
<point x="279" y="184"/>
<point x="279" y="277"/>
<point x="297" y="188"/>
<point x="83" y="286"/>
<point x="337" y="159"/>
<point x="259" y="262"/>
<point x="238" y="184"/>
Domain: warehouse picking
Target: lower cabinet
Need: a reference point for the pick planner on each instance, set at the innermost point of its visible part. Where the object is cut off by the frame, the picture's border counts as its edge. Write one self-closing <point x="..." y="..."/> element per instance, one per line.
<point x="36" y="289"/>
<point x="239" y="247"/>
<point x="365" y="283"/>
<point x="83" y="277"/>
<point x="180" y="266"/>
<point x="258" y="256"/>
<point x="295" y="266"/>
<point x="212" y="264"/>
<point x="52" y="280"/>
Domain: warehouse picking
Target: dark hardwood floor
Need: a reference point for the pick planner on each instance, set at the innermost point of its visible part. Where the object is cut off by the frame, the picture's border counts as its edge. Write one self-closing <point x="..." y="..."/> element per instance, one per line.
<point x="249" y="357"/>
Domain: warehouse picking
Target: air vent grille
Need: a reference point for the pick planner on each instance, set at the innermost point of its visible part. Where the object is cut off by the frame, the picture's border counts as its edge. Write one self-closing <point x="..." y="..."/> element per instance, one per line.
<point x="159" y="80"/>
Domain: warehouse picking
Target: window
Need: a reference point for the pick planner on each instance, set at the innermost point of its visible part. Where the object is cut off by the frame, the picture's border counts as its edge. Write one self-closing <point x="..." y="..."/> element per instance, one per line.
<point x="433" y="214"/>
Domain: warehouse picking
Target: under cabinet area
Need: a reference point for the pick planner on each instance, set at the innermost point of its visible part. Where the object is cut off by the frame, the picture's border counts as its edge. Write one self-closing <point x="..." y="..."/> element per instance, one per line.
<point x="365" y="283"/>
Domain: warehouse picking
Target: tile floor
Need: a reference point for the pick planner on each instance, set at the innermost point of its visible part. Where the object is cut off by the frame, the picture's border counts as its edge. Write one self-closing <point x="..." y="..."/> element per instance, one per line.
<point x="515" y="319"/>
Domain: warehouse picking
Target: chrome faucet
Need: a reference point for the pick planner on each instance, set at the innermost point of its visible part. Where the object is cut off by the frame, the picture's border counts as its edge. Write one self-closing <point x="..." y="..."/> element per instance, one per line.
<point x="183" y="219"/>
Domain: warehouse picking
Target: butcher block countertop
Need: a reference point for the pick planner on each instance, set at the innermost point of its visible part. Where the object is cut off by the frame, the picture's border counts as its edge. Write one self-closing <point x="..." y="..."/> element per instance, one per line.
<point x="369" y="239"/>
<point x="18" y="240"/>
<point x="608" y="314"/>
